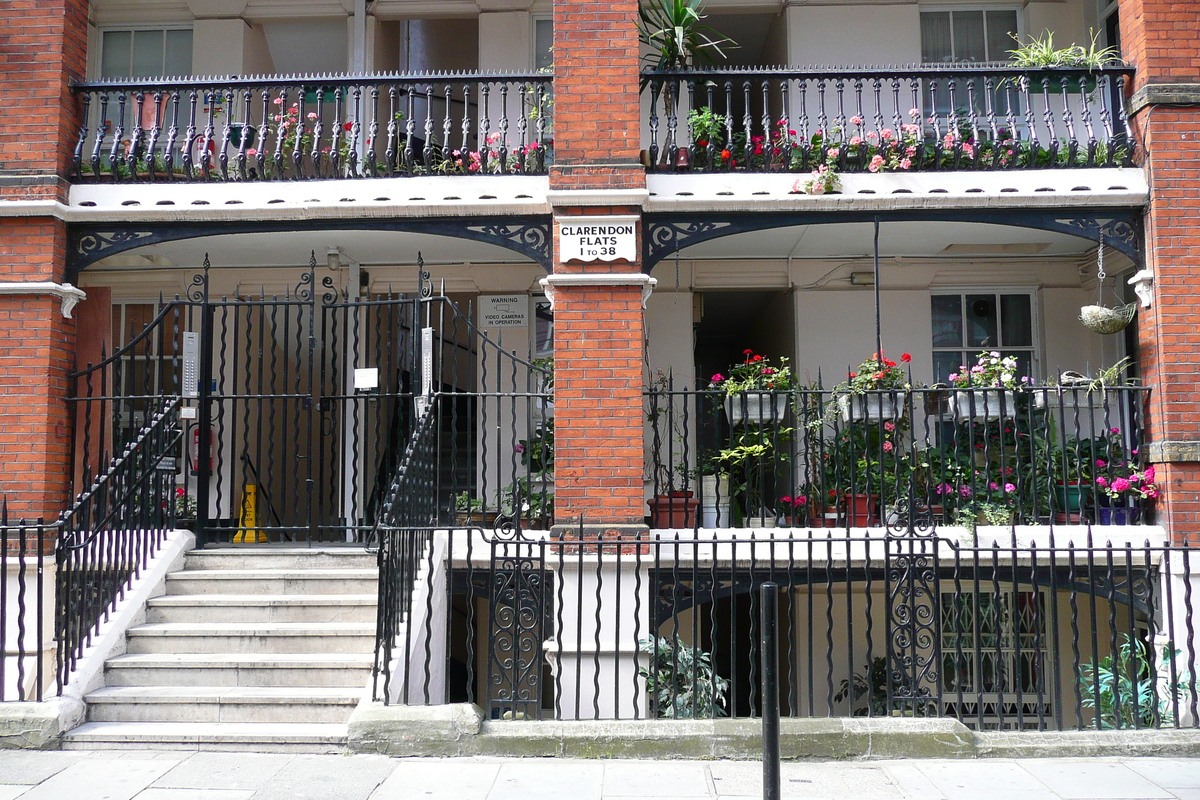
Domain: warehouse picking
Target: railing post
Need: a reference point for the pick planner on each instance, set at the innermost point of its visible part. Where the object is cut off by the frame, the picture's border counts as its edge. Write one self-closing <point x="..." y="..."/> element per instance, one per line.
<point x="204" y="432"/>
<point x="769" y="634"/>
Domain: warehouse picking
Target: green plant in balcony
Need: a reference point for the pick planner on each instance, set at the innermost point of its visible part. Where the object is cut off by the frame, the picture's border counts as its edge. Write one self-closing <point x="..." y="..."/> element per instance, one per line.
<point x="681" y="681"/>
<point x="1041" y="52"/>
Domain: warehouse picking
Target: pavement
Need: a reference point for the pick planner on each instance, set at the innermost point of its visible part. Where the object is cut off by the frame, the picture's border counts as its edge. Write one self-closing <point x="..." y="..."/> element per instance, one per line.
<point x="184" y="775"/>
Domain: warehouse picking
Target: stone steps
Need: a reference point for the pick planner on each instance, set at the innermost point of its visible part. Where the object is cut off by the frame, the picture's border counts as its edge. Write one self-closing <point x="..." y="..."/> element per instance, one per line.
<point x="249" y="649"/>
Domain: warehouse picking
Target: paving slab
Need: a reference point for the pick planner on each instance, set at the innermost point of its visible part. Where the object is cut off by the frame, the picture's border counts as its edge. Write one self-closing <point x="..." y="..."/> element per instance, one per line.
<point x="312" y="777"/>
<point x="29" y="767"/>
<point x="440" y="779"/>
<point x="654" y="779"/>
<point x="100" y="778"/>
<point x="12" y="791"/>
<point x="733" y="779"/>
<point x="1169" y="773"/>
<point x="239" y="771"/>
<point x="194" y="794"/>
<point x="984" y="780"/>
<point x="911" y="781"/>
<point x="531" y="779"/>
<point x="1092" y="780"/>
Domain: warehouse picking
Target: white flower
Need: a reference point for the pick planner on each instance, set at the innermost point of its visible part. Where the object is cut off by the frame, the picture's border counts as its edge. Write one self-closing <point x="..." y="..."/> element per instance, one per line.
<point x="1006" y="377"/>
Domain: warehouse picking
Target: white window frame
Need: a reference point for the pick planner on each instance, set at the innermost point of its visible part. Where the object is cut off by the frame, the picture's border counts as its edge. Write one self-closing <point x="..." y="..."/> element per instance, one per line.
<point x="1035" y="323"/>
<point x="96" y="42"/>
<point x="959" y="6"/>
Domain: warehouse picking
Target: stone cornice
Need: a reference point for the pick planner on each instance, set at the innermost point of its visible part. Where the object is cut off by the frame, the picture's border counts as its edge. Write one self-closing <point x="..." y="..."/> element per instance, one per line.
<point x="1165" y="94"/>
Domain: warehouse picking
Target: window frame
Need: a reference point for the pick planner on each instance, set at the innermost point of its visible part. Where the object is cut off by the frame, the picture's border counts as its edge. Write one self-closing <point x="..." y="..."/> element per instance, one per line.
<point x="1035" y="346"/>
<point x="929" y="8"/>
<point x="96" y="68"/>
<point x="534" y="21"/>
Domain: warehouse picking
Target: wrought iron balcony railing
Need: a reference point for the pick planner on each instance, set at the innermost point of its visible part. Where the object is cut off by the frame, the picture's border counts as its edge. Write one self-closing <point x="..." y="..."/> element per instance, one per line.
<point x="898" y="119"/>
<point x="926" y="457"/>
<point x="312" y="127"/>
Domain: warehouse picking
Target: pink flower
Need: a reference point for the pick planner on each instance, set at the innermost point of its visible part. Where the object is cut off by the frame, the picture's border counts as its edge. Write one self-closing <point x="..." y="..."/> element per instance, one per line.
<point x="872" y="135"/>
<point x="252" y="151"/>
<point x="278" y="101"/>
<point x="876" y="163"/>
<point x="856" y="120"/>
<point x="965" y="491"/>
<point x="993" y="486"/>
<point x="1120" y="485"/>
<point x="889" y="426"/>
<point x="1101" y="481"/>
<point x="1101" y="463"/>
<point x="1148" y="475"/>
<point x="312" y="115"/>
<point x="905" y="163"/>
<point x="834" y="152"/>
<point x="855" y="141"/>
<point x="718" y="378"/>
<point x="1152" y="492"/>
<point x="887" y="133"/>
<point x="914" y="112"/>
<point x="888" y="447"/>
<point x="1008" y="487"/>
<point x="1114" y="431"/>
<point x="968" y="149"/>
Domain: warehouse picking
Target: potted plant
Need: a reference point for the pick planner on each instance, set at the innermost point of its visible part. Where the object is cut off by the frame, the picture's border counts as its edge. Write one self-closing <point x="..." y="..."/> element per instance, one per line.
<point x="986" y="390"/>
<point x="537" y="452"/>
<point x="531" y="502"/>
<point x="755" y="390"/>
<point x="871" y="390"/>
<point x="185" y="509"/>
<point x="715" y="506"/>
<point x="1041" y="53"/>
<point x="1125" y="488"/>
<point x="750" y="462"/>
<point x="677" y="507"/>
<point x="681" y="681"/>
<point x="793" y="511"/>
<point x="469" y="510"/>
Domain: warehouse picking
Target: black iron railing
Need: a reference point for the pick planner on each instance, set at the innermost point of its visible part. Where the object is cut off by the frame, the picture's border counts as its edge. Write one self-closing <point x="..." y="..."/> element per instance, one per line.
<point x="313" y="126"/>
<point x="26" y="599"/>
<point x="919" y="457"/>
<point x="1000" y="634"/>
<point x="111" y="532"/>
<point x="895" y="119"/>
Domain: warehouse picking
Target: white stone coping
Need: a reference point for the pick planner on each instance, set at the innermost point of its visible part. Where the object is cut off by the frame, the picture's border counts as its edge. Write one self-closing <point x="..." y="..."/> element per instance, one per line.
<point x="597" y="197"/>
<point x="1105" y="187"/>
<point x="468" y="195"/>
<point x="68" y="294"/>
<point x="551" y="282"/>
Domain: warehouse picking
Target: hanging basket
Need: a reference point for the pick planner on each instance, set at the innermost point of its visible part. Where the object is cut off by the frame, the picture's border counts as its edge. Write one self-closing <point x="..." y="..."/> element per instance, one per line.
<point x="1103" y="320"/>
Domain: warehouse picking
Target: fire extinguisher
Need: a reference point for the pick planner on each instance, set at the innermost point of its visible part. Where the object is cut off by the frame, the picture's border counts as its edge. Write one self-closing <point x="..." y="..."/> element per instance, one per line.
<point x="194" y="451"/>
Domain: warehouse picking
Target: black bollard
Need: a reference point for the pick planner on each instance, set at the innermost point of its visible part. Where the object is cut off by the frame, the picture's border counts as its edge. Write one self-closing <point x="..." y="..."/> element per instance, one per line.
<point x="769" y="628"/>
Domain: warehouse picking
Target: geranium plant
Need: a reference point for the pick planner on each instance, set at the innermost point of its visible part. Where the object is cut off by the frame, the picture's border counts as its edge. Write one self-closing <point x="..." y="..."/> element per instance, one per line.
<point x="755" y="373"/>
<point x="990" y="371"/>
<point x="1124" y="481"/>
<point x="185" y="504"/>
<point x="876" y="373"/>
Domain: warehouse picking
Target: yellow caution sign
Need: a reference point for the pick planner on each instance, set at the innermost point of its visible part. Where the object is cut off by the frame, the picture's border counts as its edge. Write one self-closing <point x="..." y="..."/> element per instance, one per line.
<point x="248" y="520"/>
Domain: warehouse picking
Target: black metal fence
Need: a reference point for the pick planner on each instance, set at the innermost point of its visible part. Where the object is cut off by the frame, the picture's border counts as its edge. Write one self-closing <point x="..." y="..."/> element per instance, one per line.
<point x="313" y="126"/>
<point x="915" y="457"/>
<point x="898" y="119"/>
<point x="1003" y="634"/>
<point x="26" y="608"/>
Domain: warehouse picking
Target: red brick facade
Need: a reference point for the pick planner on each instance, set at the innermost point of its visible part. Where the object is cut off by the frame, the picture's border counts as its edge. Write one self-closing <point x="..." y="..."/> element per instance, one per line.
<point x="43" y="45"/>
<point x="1162" y="39"/>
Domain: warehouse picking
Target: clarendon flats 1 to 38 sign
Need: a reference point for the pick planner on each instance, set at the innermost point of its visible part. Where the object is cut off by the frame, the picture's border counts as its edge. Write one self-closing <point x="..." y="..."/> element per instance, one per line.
<point x="597" y="239"/>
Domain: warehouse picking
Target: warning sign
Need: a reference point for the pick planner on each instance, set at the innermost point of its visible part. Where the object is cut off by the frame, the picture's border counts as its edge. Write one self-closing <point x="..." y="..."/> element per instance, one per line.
<point x="503" y="311"/>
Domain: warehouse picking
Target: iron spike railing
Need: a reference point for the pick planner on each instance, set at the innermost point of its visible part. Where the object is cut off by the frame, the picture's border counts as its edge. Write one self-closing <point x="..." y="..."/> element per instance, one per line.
<point x="303" y="127"/>
<point x="888" y="119"/>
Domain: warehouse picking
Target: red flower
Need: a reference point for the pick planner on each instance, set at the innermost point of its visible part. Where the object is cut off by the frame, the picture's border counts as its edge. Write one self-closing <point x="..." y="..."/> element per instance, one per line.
<point x="349" y="126"/>
<point x="905" y="357"/>
<point x="757" y="358"/>
<point x="725" y="154"/>
<point x="747" y="352"/>
<point x="889" y="362"/>
<point x="853" y="375"/>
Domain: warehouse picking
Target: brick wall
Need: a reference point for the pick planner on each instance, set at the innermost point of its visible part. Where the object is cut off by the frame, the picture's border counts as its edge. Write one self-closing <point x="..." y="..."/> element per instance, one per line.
<point x="1162" y="39"/>
<point x="43" y="44"/>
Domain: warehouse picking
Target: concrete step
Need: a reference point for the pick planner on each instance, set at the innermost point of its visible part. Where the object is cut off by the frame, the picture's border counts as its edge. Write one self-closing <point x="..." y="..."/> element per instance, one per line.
<point x="247" y="669"/>
<point x="261" y="737"/>
<point x="250" y="557"/>
<point x="241" y="637"/>
<point x="273" y="581"/>
<point x="222" y="704"/>
<point x="262" y="608"/>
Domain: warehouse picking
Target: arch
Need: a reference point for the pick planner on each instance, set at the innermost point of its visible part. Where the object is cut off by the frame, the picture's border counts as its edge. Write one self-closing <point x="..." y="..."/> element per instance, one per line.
<point x="91" y="242"/>
<point x="665" y="233"/>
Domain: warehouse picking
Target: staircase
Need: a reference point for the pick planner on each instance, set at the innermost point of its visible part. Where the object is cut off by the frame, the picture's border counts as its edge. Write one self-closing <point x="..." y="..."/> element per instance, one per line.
<point x="251" y="648"/>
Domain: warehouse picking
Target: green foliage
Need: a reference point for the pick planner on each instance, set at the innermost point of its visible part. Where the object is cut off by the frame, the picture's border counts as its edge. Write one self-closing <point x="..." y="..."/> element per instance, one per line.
<point x="873" y="684"/>
<point x="1126" y="692"/>
<point x="537" y="452"/>
<point x="676" y="34"/>
<point x="1040" y="52"/>
<point x="681" y="681"/>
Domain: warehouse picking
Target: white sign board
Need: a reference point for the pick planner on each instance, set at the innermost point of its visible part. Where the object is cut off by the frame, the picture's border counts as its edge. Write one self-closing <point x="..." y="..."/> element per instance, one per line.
<point x="597" y="238"/>
<point x="366" y="378"/>
<point x="504" y="311"/>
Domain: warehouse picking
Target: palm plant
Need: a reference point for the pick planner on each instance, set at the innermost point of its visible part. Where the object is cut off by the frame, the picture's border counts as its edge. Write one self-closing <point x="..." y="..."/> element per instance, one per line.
<point x="678" y="39"/>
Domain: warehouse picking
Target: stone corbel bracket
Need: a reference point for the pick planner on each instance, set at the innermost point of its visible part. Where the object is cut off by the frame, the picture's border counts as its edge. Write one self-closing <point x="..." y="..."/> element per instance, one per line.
<point x="68" y="294"/>
<point x="551" y="282"/>
<point x="1142" y="281"/>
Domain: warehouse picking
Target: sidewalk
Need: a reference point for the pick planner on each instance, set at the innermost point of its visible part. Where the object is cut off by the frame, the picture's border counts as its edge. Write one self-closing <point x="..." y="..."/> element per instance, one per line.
<point x="147" y="775"/>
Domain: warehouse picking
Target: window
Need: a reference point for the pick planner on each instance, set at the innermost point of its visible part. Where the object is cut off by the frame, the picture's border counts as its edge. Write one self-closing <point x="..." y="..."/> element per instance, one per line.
<point x="543" y="44"/>
<point x="949" y="36"/>
<point x="967" y="323"/>
<point x="994" y="654"/>
<point x="146" y="53"/>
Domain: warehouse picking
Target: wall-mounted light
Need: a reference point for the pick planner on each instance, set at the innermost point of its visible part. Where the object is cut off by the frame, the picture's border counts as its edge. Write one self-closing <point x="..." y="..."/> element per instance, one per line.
<point x="862" y="278"/>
